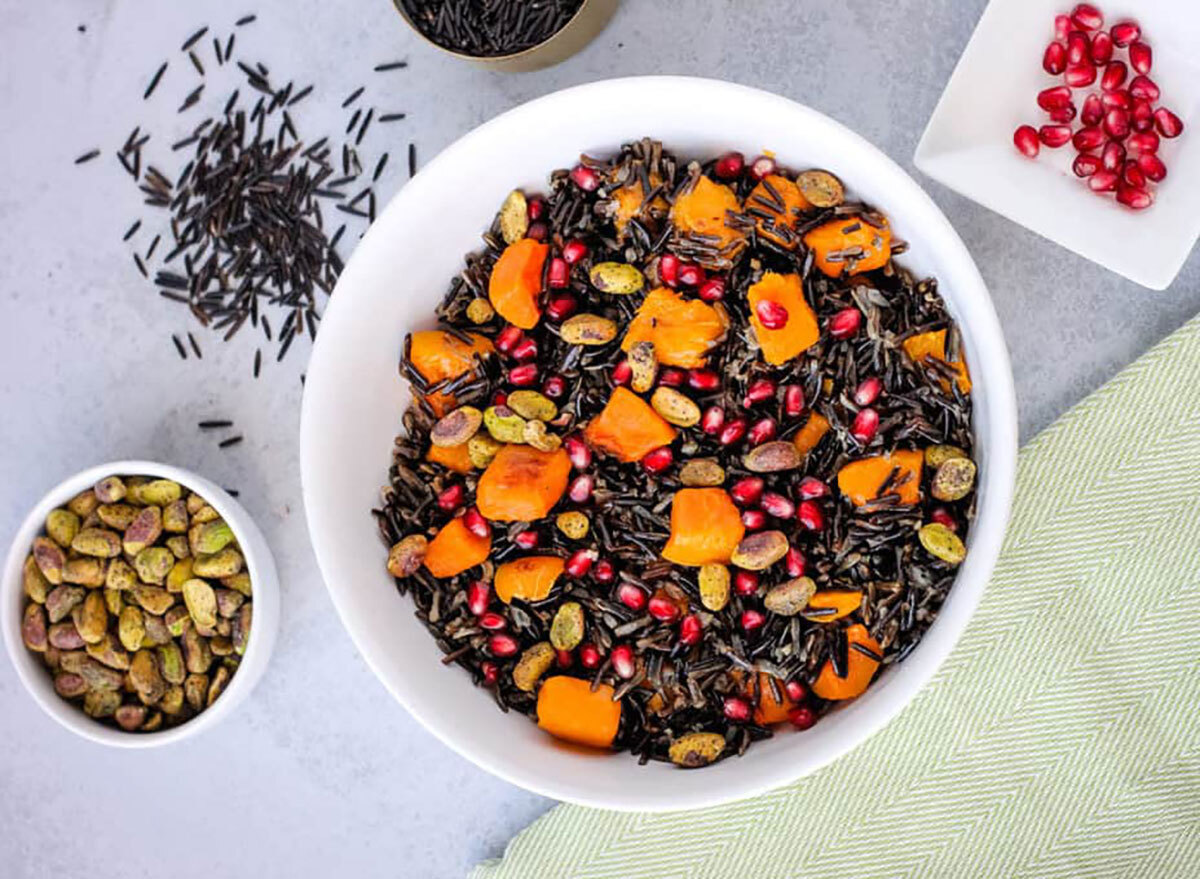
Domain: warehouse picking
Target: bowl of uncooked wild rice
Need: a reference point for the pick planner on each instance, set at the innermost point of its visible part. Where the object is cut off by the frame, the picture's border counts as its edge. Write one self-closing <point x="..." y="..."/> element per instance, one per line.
<point x="693" y="468"/>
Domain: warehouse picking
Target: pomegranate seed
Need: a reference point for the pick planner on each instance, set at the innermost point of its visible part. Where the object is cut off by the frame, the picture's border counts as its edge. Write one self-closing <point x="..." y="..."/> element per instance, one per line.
<point x="1152" y="166"/>
<point x="479" y="596"/>
<point x="1062" y="26"/>
<point x="1087" y="16"/>
<point x="1112" y="157"/>
<point x="585" y="178"/>
<point x="754" y="520"/>
<point x="1116" y="98"/>
<point x="622" y="373"/>
<point x="745" y="583"/>
<point x="1054" y="59"/>
<point x="771" y="315"/>
<point x="450" y="499"/>
<point x="1080" y="75"/>
<point x="811" y="487"/>
<point x="729" y="166"/>
<point x="703" y="379"/>
<point x="732" y="432"/>
<point x="493" y="622"/>
<point x="795" y="690"/>
<point x="672" y="377"/>
<point x="1026" y="140"/>
<point x="1079" y="50"/>
<point x="809" y="514"/>
<point x="508" y="338"/>
<point x="604" y="572"/>
<point x="868" y="391"/>
<point x="712" y="420"/>
<point x="527" y="539"/>
<point x="1132" y="175"/>
<point x="1093" y="110"/>
<point x="578" y="452"/>
<point x="762" y="431"/>
<point x="580" y="562"/>
<point x="475" y="523"/>
<point x="538" y="231"/>
<point x="735" y="709"/>
<point x="691" y="275"/>
<point x="759" y="391"/>
<point x="1063" y="115"/>
<point x="525" y="350"/>
<point x="1141" y="117"/>
<point x="846" y="322"/>
<point x="1084" y="139"/>
<point x="658" y="460"/>
<point x="1114" y="76"/>
<point x="690" y="630"/>
<point x="1134" y="197"/>
<point x="752" y="619"/>
<point x="623" y="661"/>
<point x="1140" y="56"/>
<point x="554" y="387"/>
<point x="581" y="488"/>
<point x="1102" y="48"/>
<point x="865" y="424"/>
<point x="1143" y="87"/>
<point x="668" y="269"/>
<point x="574" y="251"/>
<point x="775" y="504"/>
<point x="794" y="562"/>
<point x="524" y="375"/>
<point x="490" y="672"/>
<point x="942" y="517"/>
<point x="1167" y="123"/>
<point x="563" y="658"/>
<point x="802" y="717"/>
<point x="1054" y="97"/>
<point x="793" y="400"/>
<point x="1143" y="142"/>
<point x="763" y="166"/>
<point x="561" y="306"/>
<point x="663" y="609"/>
<point x="1125" y="32"/>
<point x="712" y="290"/>
<point x="503" y="645"/>
<point x="747" y="491"/>
<point x="559" y="274"/>
<point x="590" y="656"/>
<point x="1116" y="124"/>
<point x="1103" y="181"/>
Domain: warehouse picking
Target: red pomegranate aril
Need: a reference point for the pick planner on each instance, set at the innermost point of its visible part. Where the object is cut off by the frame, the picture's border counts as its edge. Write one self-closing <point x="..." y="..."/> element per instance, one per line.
<point x="1142" y="142"/>
<point x="1125" y="32"/>
<point x="795" y="690"/>
<point x="1085" y="165"/>
<point x="809" y="514"/>
<point x="493" y="622"/>
<point x="759" y="391"/>
<point x="1054" y="97"/>
<point x="1134" y="197"/>
<point x="658" y="460"/>
<point x="1080" y="75"/>
<point x="525" y="350"/>
<point x="754" y="520"/>
<point x="1144" y="87"/>
<point x="794" y="562"/>
<point x="690" y="630"/>
<point x="712" y="420"/>
<point x="503" y="645"/>
<point x="771" y="315"/>
<point x="527" y="539"/>
<point x="622" y="373"/>
<point x="761" y="431"/>
<point x="868" y="391"/>
<point x="524" y="375"/>
<point x="1112" y="157"/>
<point x="1063" y="115"/>
<point x="1062" y="26"/>
<point x="941" y="516"/>
<point x="499" y="399"/>
<point x="475" y="523"/>
<point x="1087" y="16"/>
<point x="736" y="709"/>
<point x="1114" y="75"/>
<point x="729" y="166"/>
<point x="1026" y="141"/>
<point x="585" y="178"/>
<point x="581" y="488"/>
<point x="490" y="673"/>
<point x="1116" y="98"/>
<point x="1102" y="48"/>
<point x="802" y="717"/>
<point x="508" y="338"/>
<point x="668" y="269"/>
<point x="663" y="609"/>
<point x="559" y="275"/>
<point x="554" y="387"/>
<point x="578" y="452"/>
<point x="1141" y="117"/>
<point x="1079" y="50"/>
<point x="623" y="661"/>
<point x="865" y="425"/>
<point x="763" y="166"/>
<point x="691" y="275"/>
<point x="1131" y="174"/>
<point x="580" y="562"/>
<point x="793" y="400"/>
<point x="747" y="491"/>
<point x="604" y="572"/>
<point x="745" y="583"/>
<point x="1103" y="181"/>
<point x="1152" y="166"/>
<point x="536" y="207"/>
<point x="538" y="231"/>
<point x="1093" y="110"/>
<point x="590" y="656"/>
<point x="752" y="619"/>
<point x="561" y="306"/>
<point x="1085" y="139"/>
<point x="845" y="323"/>
<point x="564" y="658"/>
<point x="479" y="596"/>
<point x="574" y="251"/>
<point x="775" y="504"/>
<point x="1167" y="123"/>
<point x="1141" y="56"/>
<point x="712" y="290"/>
<point x="732" y="432"/>
<point x="703" y="379"/>
<point x="810" y="487"/>
<point x="1116" y="124"/>
<point x="1054" y="59"/>
<point x="451" y="498"/>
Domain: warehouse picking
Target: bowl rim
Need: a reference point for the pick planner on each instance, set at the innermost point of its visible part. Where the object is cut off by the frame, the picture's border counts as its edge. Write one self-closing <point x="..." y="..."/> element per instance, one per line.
<point x="259" y="563"/>
<point x="924" y="661"/>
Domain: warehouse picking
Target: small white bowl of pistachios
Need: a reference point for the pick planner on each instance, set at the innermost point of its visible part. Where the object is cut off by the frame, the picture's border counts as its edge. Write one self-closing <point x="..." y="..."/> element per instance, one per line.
<point x="139" y="603"/>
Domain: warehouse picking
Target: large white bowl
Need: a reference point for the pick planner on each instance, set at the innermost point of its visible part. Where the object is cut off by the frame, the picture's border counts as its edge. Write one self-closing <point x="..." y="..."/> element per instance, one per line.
<point x="354" y="399"/>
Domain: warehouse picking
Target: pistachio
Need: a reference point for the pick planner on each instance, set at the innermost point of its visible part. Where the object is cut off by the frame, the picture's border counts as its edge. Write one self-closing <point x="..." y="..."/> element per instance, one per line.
<point x="108" y="651"/>
<point x="573" y="524"/>
<point x="821" y="189"/>
<point x="536" y="435"/>
<point x="480" y="311"/>
<point x="113" y="601"/>
<point x="406" y="556"/>
<point x="674" y="407"/>
<point x="238" y="582"/>
<point x="130" y="717"/>
<point x="935" y="456"/>
<point x="175" y="516"/>
<point x="195" y="688"/>
<point x="714" y="586"/>
<point x="84" y="503"/>
<point x="953" y="479"/>
<point x="85" y="571"/>
<point x="240" y="634"/>
<point x="220" y="680"/>
<point x="481" y="448"/>
<point x="228" y="602"/>
<point x="73" y="660"/>
<point x="534" y="663"/>
<point x="566" y="630"/>
<point x="69" y="685"/>
<point x="131" y="627"/>
<point x="98" y="542"/>
<point x="194" y="503"/>
<point x="62" y="526"/>
<point x="121" y="575"/>
<point x="942" y="543"/>
<point x="110" y="490"/>
<point x="204" y="514"/>
<point x="696" y="749"/>
<point x="179" y="574"/>
<point x="616" y="277"/>
<point x="789" y="598"/>
<point x="154" y="599"/>
<point x="33" y="628"/>
<point x="760" y="550"/>
<point x="223" y="629"/>
<point x="145" y="676"/>
<point x="702" y="472"/>
<point x="505" y="425"/>
<point x="143" y="530"/>
<point x="210" y="537"/>
<point x="33" y="582"/>
<point x="456" y="427"/>
<point x="98" y="677"/>
<point x="101" y="703"/>
<point x="158" y="492"/>
<point x="50" y="559"/>
<point x="176" y="620"/>
<point x="119" y="516"/>
<point x="514" y="217"/>
<point x="170" y="663"/>
<point x="153" y="564"/>
<point x="172" y="700"/>
<point x="772" y="457"/>
<point x="91" y="617"/>
<point x="179" y="546"/>
<point x="643" y="366"/>
<point x="153" y="722"/>
<point x="64" y="635"/>
<point x="221" y="645"/>
<point x="61" y="600"/>
<point x="156" y="629"/>
<point x="588" y="329"/>
<point x="201" y="602"/>
<point x="532" y="405"/>
<point x="196" y="653"/>
<point x="225" y="563"/>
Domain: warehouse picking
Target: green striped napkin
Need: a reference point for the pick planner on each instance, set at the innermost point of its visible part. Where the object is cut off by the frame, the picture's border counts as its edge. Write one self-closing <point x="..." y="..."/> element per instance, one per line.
<point x="1061" y="737"/>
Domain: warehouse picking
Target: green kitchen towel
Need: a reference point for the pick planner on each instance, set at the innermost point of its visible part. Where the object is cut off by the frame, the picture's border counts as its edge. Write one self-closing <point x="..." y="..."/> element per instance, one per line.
<point x="1061" y="737"/>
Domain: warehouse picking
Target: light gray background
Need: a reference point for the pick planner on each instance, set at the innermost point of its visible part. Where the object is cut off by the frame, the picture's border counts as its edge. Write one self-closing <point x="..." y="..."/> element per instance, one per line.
<point x="320" y="773"/>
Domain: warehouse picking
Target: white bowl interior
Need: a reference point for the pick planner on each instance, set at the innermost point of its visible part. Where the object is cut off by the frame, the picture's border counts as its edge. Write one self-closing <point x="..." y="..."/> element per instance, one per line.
<point x="354" y="399"/>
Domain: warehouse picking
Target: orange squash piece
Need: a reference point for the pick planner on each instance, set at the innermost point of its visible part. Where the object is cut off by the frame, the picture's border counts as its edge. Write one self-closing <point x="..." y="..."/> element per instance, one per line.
<point x="860" y="480"/>
<point x="814" y="430"/>
<point x="570" y="710"/>
<point x="846" y="233"/>
<point x="843" y="601"/>
<point x="629" y="201"/>
<point x="628" y="427"/>
<point x="681" y="330"/>
<point x="859" y="668"/>
<point x="522" y="483"/>
<point x="454" y="458"/>
<point x="530" y="578"/>
<point x="794" y="203"/>
<point x="703" y="211"/>
<point x="768" y="710"/>
<point x="801" y="330"/>
<point x="933" y="344"/>
<point x="516" y="282"/>
<point x="706" y="527"/>
<point x="455" y="549"/>
<point x="438" y="355"/>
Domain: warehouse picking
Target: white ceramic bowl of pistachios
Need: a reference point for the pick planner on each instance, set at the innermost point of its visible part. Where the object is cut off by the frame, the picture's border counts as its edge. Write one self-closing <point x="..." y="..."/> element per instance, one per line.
<point x="100" y="665"/>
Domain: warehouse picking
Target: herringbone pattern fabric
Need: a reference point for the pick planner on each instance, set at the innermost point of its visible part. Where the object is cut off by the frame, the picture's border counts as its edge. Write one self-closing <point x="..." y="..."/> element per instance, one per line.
<point x="1061" y="738"/>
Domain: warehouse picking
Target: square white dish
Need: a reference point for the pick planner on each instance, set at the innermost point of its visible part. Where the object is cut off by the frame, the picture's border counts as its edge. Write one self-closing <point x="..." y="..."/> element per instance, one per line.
<point x="968" y="146"/>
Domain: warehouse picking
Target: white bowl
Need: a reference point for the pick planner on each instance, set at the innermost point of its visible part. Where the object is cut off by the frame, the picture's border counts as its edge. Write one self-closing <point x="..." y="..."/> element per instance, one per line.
<point x="354" y="398"/>
<point x="259" y="564"/>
